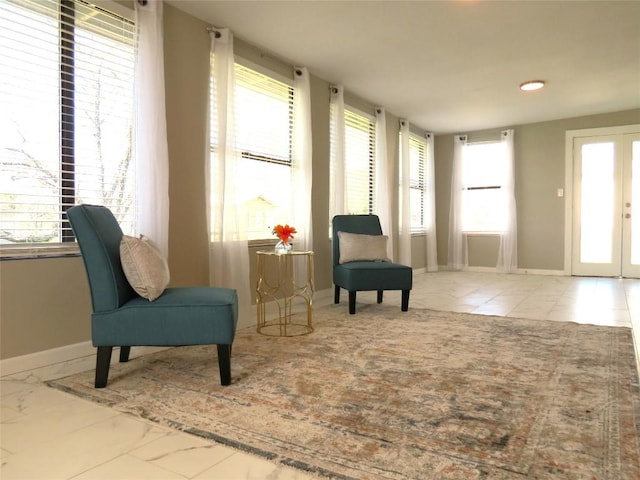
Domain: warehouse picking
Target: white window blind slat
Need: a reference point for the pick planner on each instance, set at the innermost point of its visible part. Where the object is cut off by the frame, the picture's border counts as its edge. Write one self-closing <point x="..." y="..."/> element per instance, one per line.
<point x="417" y="185"/>
<point x="67" y="93"/>
<point x="483" y="177"/>
<point x="359" y="163"/>
<point x="263" y="116"/>
<point x="263" y="127"/>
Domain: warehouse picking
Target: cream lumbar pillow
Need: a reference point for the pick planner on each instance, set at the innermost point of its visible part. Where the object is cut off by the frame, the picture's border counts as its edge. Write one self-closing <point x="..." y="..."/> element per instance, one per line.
<point x="355" y="247"/>
<point x="144" y="266"/>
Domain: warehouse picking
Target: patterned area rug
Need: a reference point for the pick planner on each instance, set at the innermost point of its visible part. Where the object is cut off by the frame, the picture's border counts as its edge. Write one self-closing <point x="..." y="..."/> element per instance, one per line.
<point x="417" y="395"/>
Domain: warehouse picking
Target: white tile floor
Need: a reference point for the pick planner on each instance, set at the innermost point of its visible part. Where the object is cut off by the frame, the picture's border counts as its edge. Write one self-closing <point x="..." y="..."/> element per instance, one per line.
<point x="46" y="434"/>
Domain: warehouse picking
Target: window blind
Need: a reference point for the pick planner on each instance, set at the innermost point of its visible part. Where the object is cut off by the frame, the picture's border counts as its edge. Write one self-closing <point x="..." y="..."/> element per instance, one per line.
<point x="483" y="177"/>
<point x="66" y="88"/>
<point x="263" y="116"/>
<point x="417" y="184"/>
<point x="359" y="163"/>
<point x="263" y="132"/>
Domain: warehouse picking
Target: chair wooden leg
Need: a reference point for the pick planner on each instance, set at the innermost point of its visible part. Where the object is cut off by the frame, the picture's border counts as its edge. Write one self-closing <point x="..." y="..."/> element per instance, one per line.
<point x="124" y="354"/>
<point x="224" y="362"/>
<point x="336" y="295"/>
<point x="405" y="300"/>
<point x="380" y="296"/>
<point x="352" y="302"/>
<point x="103" y="361"/>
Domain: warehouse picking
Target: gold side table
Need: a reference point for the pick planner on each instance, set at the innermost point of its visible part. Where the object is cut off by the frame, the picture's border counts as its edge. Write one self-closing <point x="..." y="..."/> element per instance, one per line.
<point x="279" y="291"/>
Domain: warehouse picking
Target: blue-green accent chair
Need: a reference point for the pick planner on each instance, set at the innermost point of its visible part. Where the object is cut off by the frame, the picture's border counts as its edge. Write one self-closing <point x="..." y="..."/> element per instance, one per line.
<point x="180" y="316"/>
<point x="366" y="276"/>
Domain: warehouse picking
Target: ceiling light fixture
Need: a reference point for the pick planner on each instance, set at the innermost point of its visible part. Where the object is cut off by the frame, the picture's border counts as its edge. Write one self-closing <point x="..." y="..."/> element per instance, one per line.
<point x="531" y="85"/>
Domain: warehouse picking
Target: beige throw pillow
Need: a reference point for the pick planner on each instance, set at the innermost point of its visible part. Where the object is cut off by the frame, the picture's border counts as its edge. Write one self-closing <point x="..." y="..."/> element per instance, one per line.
<point x="144" y="266"/>
<point x="355" y="247"/>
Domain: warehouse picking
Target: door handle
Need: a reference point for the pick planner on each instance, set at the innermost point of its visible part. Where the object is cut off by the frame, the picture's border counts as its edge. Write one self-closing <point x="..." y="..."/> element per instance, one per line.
<point x="627" y="215"/>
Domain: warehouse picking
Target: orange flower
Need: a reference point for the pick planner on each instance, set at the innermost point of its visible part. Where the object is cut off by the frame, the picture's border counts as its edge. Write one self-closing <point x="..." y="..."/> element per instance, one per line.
<point x="284" y="233"/>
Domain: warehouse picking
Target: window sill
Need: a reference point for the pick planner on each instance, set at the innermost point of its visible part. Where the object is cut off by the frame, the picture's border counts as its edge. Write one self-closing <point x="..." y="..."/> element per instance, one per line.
<point x="27" y="252"/>
<point x="262" y="243"/>
<point x="483" y="234"/>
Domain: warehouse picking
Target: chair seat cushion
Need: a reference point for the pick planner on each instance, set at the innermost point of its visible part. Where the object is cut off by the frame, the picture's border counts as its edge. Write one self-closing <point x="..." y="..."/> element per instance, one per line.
<point x="180" y="316"/>
<point x="362" y="276"/>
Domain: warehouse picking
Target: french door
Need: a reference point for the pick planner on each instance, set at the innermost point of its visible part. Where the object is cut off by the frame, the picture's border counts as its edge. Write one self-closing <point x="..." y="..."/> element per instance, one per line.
<point x="606" y="188"/>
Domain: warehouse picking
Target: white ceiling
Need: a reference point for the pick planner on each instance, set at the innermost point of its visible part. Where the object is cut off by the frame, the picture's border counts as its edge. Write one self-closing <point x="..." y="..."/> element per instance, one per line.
<point x="453" y="66"/>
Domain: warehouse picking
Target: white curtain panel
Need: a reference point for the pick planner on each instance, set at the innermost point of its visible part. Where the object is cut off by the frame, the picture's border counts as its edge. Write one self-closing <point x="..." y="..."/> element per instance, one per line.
<point x="229" y="249"/>
<point x="338" y="200"/>
<point x="458" y="259"/>
<point x="302" y="165"/>
<point x="152" y="157"/>
<point x="430" y="206"/>
<point x="382" y="195"/>
<point x="508" y="253"/>
<point x="404" y="234"/>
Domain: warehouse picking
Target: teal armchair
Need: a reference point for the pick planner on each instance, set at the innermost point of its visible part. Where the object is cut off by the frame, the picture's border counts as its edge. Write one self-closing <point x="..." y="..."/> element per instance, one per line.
<point x="370" y="274"/>
<point x="180" y="316"/>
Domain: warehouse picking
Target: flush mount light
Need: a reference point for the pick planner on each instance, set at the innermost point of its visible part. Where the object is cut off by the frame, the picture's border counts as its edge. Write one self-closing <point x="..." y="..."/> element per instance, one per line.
<point x="531" y="85"/>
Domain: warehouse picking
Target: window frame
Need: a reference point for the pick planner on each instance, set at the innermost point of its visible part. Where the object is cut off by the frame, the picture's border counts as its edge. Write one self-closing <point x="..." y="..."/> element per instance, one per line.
<point x="419" y="184"/>
<point x="289" y="83"/>
<point x="65" y="13"/>
<point x="371" y="154"/>
<point x="245" y="154"/>
<point x="497" y="185"/>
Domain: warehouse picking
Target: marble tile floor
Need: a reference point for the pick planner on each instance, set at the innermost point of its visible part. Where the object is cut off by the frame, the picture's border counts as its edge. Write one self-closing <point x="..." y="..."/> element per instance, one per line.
<point x="46" y="434"/>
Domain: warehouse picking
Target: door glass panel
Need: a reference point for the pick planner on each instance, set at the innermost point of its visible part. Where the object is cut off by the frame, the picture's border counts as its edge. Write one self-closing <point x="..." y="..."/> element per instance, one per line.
<point x="598" y="183"/>
<point x="635" y="202"/>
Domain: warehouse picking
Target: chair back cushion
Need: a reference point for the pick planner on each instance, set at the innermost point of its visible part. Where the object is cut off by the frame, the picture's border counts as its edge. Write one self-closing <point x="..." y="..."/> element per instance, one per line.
<point x="362" y="224"/>
<point x="99" y="235"/>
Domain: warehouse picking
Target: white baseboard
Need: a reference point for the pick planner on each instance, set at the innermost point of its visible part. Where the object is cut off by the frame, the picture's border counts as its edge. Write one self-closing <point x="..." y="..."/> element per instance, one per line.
<point x="31" y="361"/>
<point x="539" y="271"/>
<point x="519" y="271"/>
<point x="53" y="356"/>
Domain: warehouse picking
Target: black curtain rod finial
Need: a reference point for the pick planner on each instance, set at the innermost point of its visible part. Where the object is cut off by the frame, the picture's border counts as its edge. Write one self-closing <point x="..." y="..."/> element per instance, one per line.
<point x="216" y="32"/>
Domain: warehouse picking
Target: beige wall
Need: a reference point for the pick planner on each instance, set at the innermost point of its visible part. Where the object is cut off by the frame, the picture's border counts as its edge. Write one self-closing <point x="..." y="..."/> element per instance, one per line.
<point x="186" y="87"/>
<point x="539" y="150"/>
<point x="44" y="303"/>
